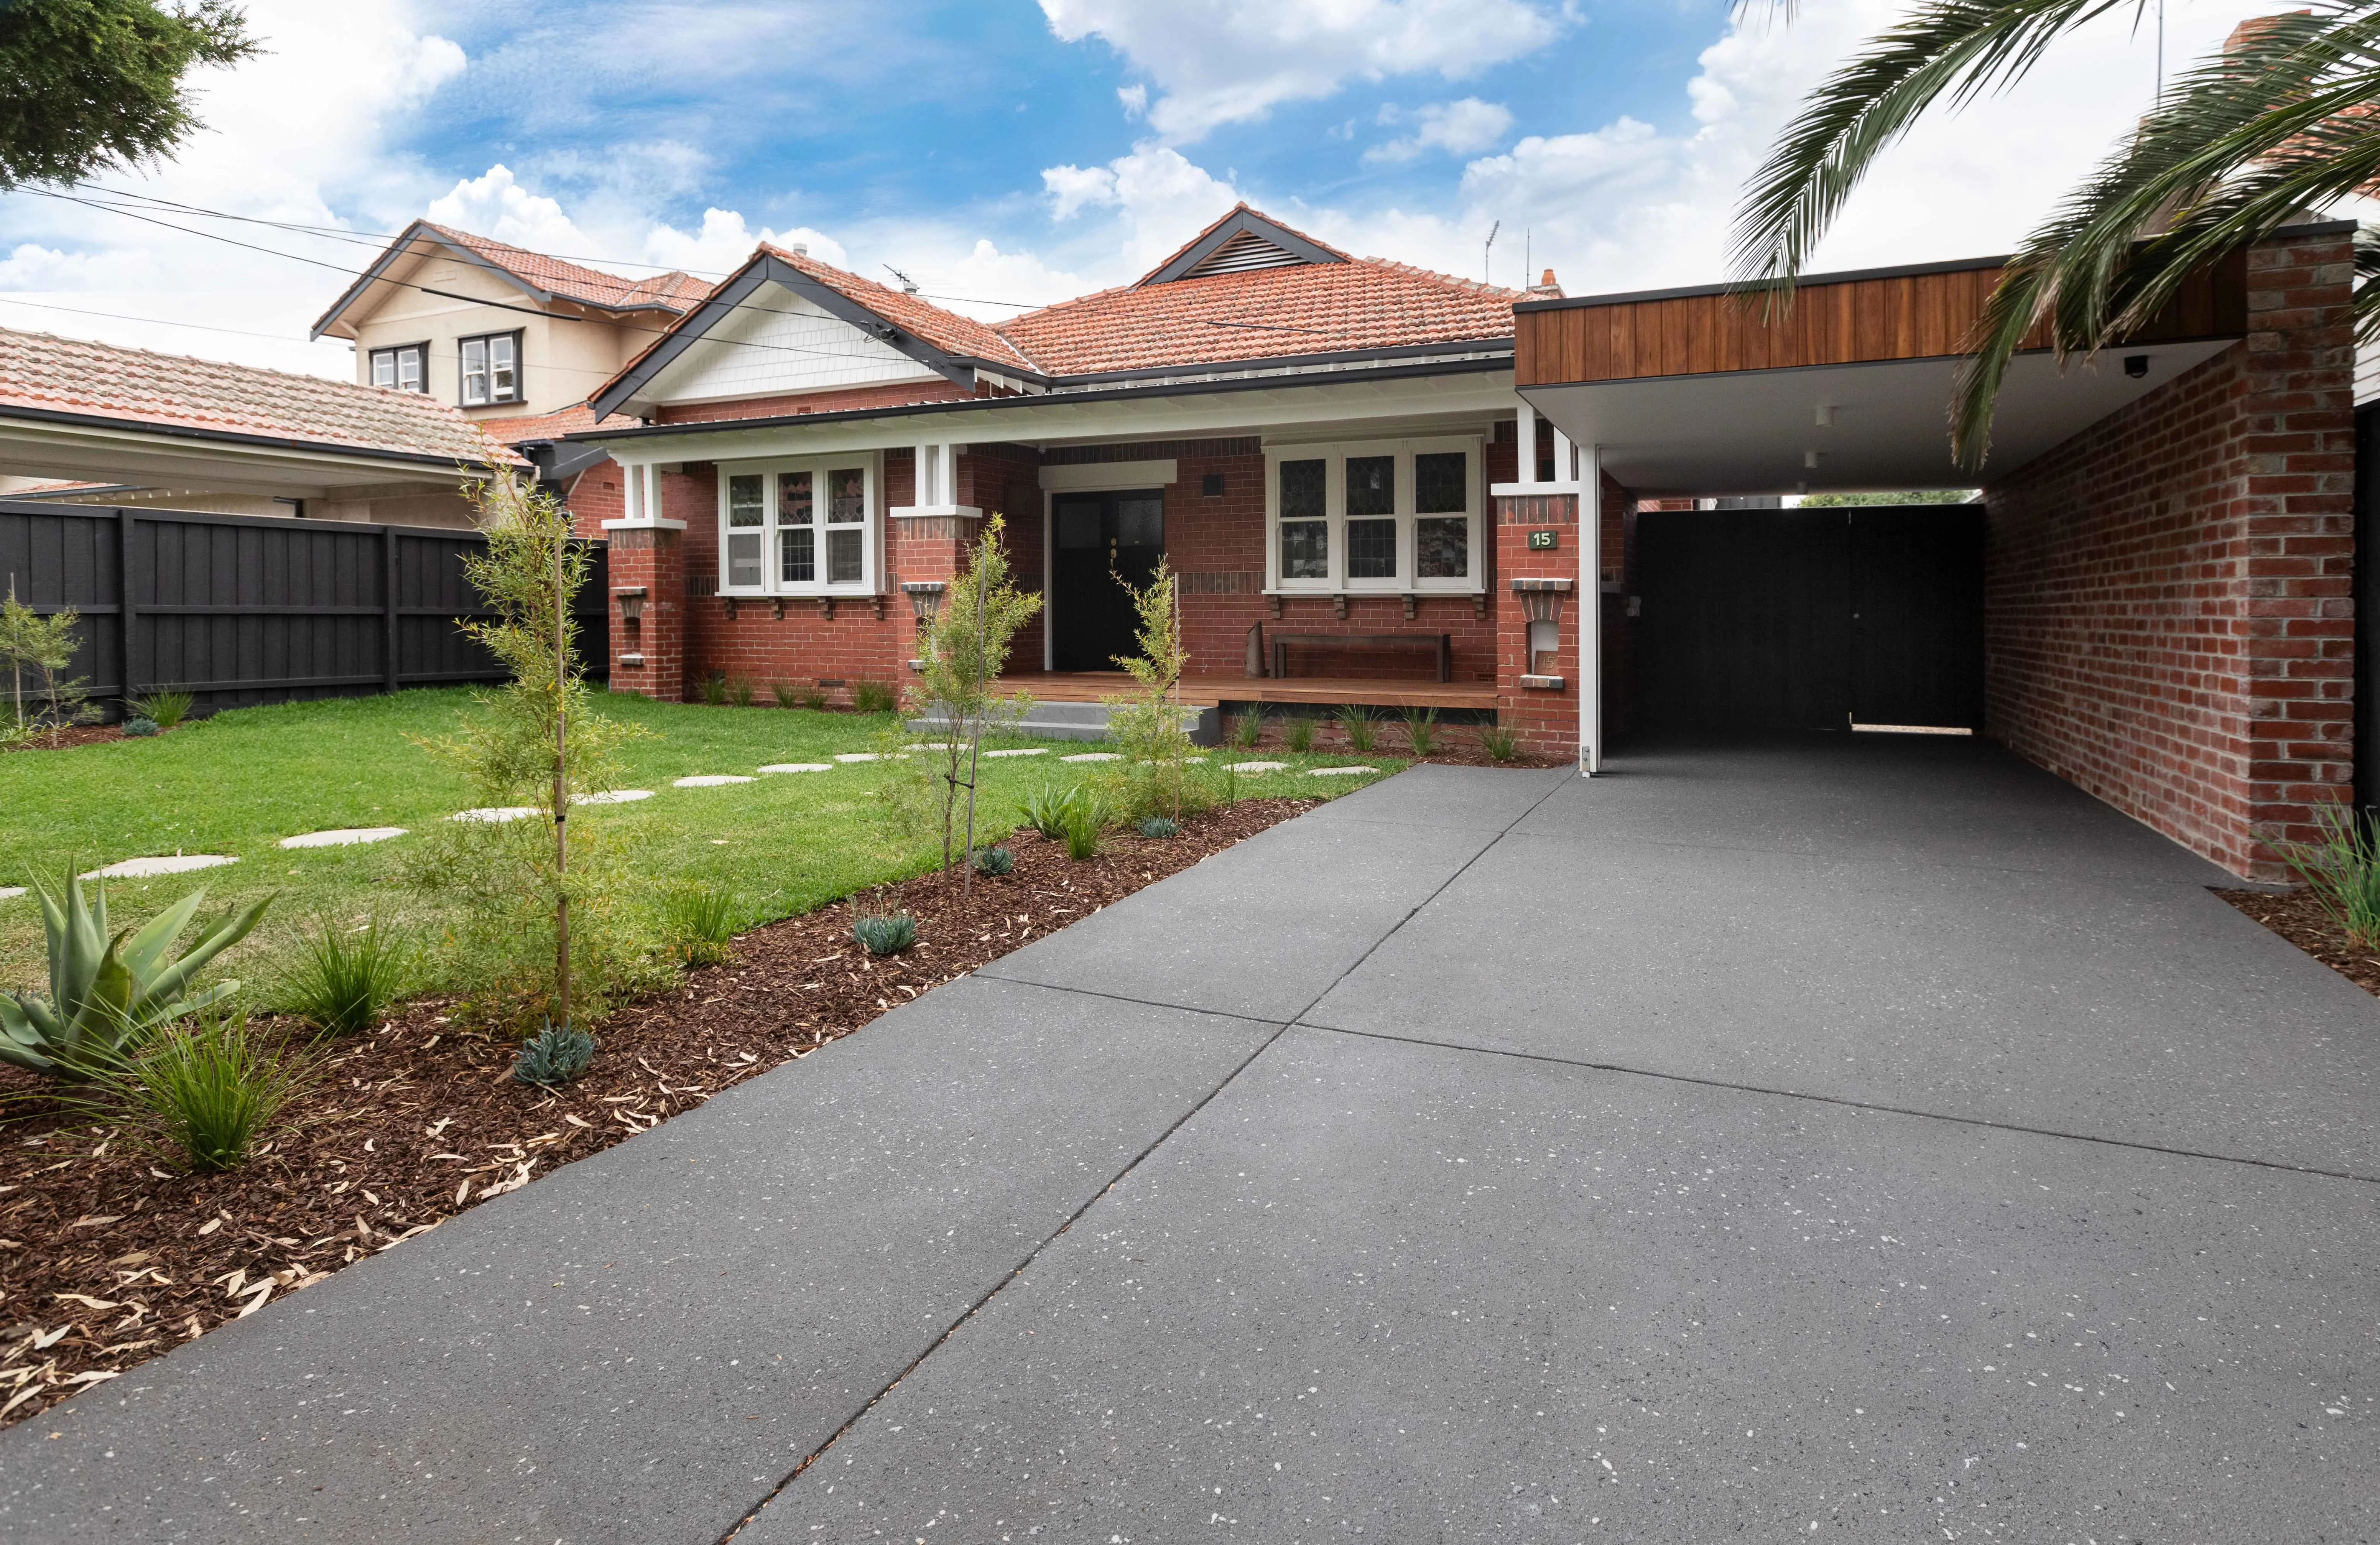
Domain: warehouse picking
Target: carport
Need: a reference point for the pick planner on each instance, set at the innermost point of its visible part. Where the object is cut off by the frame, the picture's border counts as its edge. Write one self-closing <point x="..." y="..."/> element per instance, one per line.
<point x="2153" y="602"/>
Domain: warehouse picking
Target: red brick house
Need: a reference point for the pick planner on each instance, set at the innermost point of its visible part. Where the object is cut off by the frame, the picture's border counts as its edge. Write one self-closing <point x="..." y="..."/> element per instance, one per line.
<point x="2153" y="599"/>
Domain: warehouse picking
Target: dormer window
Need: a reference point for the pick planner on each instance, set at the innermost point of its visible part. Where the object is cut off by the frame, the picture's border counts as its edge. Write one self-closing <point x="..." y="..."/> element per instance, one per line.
<point x="402" y="369"/>
<point x="492" y="369"/>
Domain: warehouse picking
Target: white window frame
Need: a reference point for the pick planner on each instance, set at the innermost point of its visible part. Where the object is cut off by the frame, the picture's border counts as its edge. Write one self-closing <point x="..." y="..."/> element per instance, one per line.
<point x="871" y="526"/>
<point x="394" y="354"/>
<point x="1333" y="455"/>
<point x="515" y="339"/>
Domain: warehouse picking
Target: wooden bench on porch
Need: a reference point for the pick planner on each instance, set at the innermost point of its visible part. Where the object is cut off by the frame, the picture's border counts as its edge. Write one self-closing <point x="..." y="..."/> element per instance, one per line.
<point x="1441" y="644"/>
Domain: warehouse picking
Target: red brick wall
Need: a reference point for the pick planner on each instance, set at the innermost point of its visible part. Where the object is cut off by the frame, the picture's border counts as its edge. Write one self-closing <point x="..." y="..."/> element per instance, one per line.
<point x="2169" y="620"/>
<point x="654" y="559"/>
<point x="594" y="496"/>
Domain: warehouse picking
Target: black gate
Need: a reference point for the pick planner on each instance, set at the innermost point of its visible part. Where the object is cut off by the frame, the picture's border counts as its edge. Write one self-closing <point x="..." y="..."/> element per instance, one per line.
<point x="248" y="609"/>
<point x="1810" y="618"/>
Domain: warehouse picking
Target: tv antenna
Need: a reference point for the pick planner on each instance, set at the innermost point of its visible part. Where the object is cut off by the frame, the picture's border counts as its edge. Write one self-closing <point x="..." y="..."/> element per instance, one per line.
<point x="908" y="286"/>
<point x="1487" y="255"/>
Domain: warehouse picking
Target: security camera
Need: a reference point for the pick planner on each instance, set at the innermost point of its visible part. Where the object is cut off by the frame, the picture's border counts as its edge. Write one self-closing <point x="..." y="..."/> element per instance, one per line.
<point x="2136" y="365"/>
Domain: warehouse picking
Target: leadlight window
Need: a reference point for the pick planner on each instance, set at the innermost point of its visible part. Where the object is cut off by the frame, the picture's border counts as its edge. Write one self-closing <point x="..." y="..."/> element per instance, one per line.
<point x="1304" y="520"/>
<point x="816" y="521"/>
<point x="745" y="513"/>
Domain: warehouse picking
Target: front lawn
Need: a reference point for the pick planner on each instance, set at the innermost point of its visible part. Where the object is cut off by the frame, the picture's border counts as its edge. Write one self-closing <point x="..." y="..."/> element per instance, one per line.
<point x="238" y="783"/>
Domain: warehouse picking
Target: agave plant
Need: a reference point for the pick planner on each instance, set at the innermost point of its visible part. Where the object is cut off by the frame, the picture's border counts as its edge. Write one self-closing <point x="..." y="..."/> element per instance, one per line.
<point x="109" y="994"/>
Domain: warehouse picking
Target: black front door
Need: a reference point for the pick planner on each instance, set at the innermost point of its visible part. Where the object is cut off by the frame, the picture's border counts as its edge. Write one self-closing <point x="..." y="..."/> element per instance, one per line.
<point x="1100" y="539"/>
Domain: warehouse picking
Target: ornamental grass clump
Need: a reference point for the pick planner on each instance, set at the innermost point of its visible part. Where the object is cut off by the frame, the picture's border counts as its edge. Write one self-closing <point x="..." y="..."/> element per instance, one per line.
<point x="1248" y="728"/>
<point x="1085" y="821"/>
<point x="557" y="1054"/>
<point x="2341" y="867"/>
<point x="702" y="920"/>
<point x="1298" y="733"/>
<point x="347" y="974"/>
<point x="1357" y="724"/>
<point x="205" y="1094"/>
<point x="786" y="694"/>
<point x="1499" y="741"/>
<point x="714" y="689"/>
<point x="166" y="710"/>
<point x="741" y="691"/>
<point x="874" y="697"/>
<point x="1421" y="730"/>
<point x="110" y="994"/>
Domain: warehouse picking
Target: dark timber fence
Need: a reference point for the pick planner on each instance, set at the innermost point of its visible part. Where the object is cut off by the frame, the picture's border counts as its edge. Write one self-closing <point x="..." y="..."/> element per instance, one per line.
<point x="243" y="609"/>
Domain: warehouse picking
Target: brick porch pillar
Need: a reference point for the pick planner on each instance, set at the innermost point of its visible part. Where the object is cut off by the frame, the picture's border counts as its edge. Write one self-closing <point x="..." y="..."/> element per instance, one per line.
<point x="1538" y="696"/>
<point x="648" y="608"/>
<point x="925" y="544"/>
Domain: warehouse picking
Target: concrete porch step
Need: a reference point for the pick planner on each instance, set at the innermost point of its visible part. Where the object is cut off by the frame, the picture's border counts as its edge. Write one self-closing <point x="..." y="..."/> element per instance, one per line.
<point x="1075" y="721"/>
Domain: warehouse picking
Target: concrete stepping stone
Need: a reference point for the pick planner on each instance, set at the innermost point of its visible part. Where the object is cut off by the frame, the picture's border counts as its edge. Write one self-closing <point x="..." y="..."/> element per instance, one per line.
<point x="10" y="893"/>
<point x="1027" y="751"/>
<point x="711" y="780"/>
<point x="1258" y="767"/>
<point x="344" y="837"/>
<point x="1340" y="772"/>
<point x="612" y="796"/>
<point x="799" y="767"/>
<point x="857" y="756"/>
<point x="491" y="815"/>
<point x="141" y="869"/>
<point x="1094" y="755"/>
<point x="927" y="746"/>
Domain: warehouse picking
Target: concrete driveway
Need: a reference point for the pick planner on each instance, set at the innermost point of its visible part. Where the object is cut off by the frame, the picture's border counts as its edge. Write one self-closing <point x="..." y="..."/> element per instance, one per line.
<point x="1875" y="1141"/>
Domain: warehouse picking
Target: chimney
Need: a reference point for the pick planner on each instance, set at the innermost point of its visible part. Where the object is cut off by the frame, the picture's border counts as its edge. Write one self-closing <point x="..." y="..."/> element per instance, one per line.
<point x="1546" y="288"/>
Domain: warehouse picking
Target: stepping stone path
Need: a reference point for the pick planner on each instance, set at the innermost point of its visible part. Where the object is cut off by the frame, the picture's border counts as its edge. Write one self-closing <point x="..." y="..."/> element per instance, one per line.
<point x="344" y="837"/>
<point x="9" y="893"/>
<point x="491" y="815"/>
<point x="1094" y="755"/>
<point x="856" y="756"/>
<point x="141" y="869"/>
<point x="711" y="780"/>
<point x="1258" y="767"/>
<point x="612" y="796"/>
<point x="930" y="745"/>
<point x="1340" y="772"/>
<point x="799" y="767"/>
<point x="1029" y="752"/>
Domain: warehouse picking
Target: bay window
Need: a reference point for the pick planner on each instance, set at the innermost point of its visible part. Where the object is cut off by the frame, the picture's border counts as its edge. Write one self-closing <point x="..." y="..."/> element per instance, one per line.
<point x="1399" y="517"/>
<point x="803" y="528"/>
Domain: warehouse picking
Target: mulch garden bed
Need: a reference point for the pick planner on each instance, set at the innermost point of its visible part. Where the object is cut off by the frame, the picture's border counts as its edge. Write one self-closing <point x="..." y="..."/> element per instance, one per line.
<point x="72" y="736"/>
<point x="108" y="1258"/>
<point x="2299" y="917"/>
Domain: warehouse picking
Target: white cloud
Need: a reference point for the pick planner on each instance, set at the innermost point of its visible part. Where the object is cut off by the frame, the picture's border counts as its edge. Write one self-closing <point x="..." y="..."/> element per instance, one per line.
<point x="1461" y="127"/>
<point x="724" y="241"/>
<point x="1232" y="61"/>
<point x="1135" y="98"/>
<point x="1161" y="199"/>
<point x="494" y="204"/>
<point x="1071" y="189"/>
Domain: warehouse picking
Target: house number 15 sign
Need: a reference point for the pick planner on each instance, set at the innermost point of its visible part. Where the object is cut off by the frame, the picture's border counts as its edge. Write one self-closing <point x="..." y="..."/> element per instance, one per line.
<point x="1543" y="542"/>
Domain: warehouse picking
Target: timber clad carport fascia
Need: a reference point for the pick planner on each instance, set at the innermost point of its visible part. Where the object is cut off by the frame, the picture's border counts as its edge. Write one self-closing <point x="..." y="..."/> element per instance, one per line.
<point x="1921" y="312"/>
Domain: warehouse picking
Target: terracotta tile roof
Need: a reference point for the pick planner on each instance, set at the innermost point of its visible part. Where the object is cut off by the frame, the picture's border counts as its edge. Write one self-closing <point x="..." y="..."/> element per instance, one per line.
<point x="1170" y="258"/>
<point x="672" y="291"/>
<point x="101" y="380"/>
<point x="947" y="331"/>
<point x="1311" y="309"/>
<point x="549" y="426"/>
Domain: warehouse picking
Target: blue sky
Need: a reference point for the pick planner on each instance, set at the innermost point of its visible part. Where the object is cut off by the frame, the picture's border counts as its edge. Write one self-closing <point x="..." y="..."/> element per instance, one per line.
<point x="1010" y="150"/>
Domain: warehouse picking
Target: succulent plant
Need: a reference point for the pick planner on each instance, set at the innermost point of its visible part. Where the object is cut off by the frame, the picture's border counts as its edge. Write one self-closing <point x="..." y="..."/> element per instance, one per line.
<point x="994" y="861"/>
<point x="885" y="932"/>
<point x="108" y="995"/>
<point x="1160" y="826"/>
<point x="141" y="726"/>
<point x="556" y="1055"/>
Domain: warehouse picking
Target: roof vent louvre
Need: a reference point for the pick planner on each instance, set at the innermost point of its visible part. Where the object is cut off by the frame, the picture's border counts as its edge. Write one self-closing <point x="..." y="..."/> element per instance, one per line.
<point x="1243" y="253"/>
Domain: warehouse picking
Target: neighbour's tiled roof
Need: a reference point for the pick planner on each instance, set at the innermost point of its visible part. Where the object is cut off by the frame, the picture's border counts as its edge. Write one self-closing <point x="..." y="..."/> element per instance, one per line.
<point x="173" y="390"/>
<point x="1321" y="308"/>
<point x="672" y="291"/>
<point x="553" y="425"/>
<point x="947" y="331"/>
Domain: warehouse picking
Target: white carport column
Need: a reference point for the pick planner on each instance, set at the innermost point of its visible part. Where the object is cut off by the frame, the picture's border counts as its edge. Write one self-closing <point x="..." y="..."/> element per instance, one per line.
<point x="1590" y="609"/>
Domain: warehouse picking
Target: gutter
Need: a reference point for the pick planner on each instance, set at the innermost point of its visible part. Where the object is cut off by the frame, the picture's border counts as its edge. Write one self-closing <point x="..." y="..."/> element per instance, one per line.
<point x="236" y="437"/>
<point x="1042" y="400"/>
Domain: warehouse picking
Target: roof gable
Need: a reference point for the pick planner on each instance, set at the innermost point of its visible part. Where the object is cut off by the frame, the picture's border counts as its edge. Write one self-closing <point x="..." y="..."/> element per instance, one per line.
<point x="541" y="278"/>
<point x="1242" y="240"/>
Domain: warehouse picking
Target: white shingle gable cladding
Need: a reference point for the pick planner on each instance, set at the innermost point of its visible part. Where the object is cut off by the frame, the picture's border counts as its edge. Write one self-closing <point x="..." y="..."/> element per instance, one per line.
<point x="778" y="343"/>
